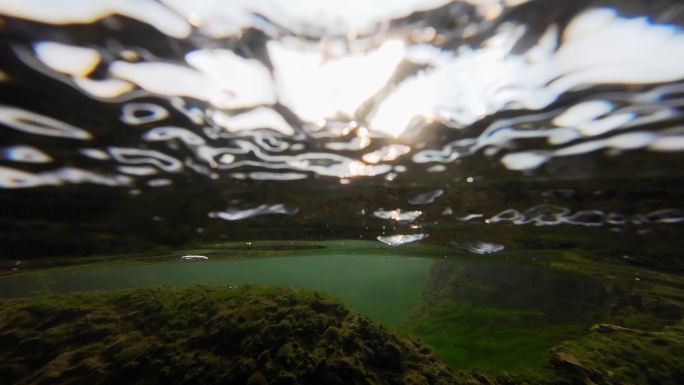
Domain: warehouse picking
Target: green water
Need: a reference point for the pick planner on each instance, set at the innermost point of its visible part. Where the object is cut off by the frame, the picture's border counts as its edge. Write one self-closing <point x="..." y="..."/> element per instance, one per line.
<point x="502" y="312"/>
<point x="384" y="288"/>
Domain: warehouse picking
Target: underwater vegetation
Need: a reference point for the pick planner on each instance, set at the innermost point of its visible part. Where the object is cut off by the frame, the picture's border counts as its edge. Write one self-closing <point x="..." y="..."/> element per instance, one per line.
<point x="484" y="315"/>
<point x="566" y="327"/>
<point x="248" y="335"/>
<point x="615" y="355"/>
<point x="275" y="335"/>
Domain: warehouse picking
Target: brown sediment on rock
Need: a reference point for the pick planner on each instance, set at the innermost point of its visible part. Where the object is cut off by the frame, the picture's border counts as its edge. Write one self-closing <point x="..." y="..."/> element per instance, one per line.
<point x="247" y="335"/>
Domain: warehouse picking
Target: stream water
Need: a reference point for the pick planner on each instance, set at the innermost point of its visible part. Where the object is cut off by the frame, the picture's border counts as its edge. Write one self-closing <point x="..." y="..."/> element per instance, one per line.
<point x="493" y="176"/>
<point x="457" y="303"/>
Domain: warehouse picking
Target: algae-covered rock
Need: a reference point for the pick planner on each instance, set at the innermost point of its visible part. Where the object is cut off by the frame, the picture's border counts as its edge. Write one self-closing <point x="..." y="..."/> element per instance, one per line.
<point x="612" y="354"/>
<point x="524" y="323"/>
<point x="558" y="295"/>
<point x="268" y="336"/>
<point x="247" y="335"/>
<point x="501" y="316"/>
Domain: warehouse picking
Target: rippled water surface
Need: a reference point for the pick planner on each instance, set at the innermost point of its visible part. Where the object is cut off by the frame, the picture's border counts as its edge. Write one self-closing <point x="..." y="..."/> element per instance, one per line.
<point x="517" y="146"/>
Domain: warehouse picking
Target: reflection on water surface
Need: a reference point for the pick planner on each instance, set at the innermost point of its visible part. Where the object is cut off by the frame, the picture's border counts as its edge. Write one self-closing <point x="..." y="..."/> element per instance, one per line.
<point x="532" y="149"/>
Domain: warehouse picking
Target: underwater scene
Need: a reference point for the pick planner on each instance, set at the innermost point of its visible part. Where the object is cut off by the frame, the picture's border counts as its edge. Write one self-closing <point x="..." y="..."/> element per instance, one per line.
<point x="305" y="192"/>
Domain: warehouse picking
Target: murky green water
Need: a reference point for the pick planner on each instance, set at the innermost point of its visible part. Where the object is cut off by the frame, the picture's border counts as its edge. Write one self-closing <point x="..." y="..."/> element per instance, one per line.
<point x="385" y="288"/>
<point x="499" y="312"/>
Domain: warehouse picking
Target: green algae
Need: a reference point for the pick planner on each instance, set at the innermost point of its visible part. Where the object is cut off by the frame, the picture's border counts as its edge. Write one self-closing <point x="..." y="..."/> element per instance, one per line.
<point x="479" y="337"/>
<point x="612" y="354"/>
<point x="504" y="316"/>
<point x="250" y="334"/>
<point x="274" y="335"/>
<point x="515" y="318"/>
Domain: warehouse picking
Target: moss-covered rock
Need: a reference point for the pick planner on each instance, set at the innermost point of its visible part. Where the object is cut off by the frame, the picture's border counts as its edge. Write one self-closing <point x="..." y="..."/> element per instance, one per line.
<point x="258" y="335"/>
<point x="534" y="323"/>
<point x="504" y="316"/>
<point x="247" y="335"/>
<point x="612" y="354"/>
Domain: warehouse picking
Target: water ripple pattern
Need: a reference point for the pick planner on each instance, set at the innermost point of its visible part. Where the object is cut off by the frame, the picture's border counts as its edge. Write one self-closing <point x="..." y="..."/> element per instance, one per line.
<point x="426" y="98"/>
<point x="285" y="94"/>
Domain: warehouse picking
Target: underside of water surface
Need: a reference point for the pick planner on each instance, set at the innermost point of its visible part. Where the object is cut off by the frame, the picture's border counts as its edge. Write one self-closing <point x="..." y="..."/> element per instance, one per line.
<point x="341" y="192"/>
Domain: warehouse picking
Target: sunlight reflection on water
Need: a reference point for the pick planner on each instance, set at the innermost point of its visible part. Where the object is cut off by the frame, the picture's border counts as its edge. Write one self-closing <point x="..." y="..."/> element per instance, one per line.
<point x="388" y="92"/>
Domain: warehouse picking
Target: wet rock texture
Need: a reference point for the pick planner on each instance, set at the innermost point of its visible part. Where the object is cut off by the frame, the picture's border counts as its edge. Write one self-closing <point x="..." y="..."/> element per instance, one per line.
<point x="248" y="335"/>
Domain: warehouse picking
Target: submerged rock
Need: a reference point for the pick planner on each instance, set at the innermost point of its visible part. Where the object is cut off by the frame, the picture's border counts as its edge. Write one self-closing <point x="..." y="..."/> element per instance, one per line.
<point x="525" y="318"/>
<point x="249" y="335"/>
<point x="258" y="335"/>
<point x="611" y="354"/>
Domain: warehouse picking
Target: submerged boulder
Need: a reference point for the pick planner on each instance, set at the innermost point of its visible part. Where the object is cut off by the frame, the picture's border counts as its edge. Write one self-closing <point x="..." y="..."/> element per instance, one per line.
<point x="246" y="335"/>
<point x="612" y="354"/>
